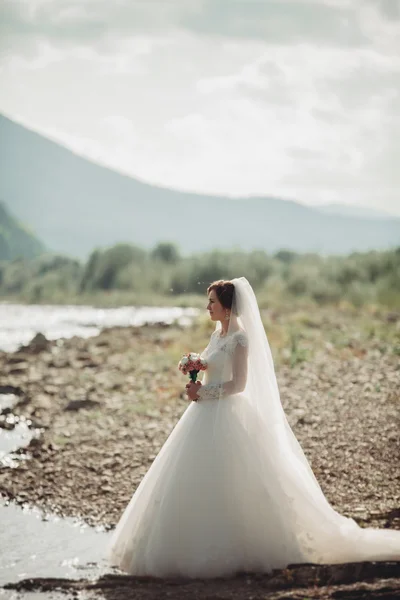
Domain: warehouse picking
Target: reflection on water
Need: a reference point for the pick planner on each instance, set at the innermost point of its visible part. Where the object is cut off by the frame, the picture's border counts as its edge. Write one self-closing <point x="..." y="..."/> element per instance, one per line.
<point x="15" y="432"/>
<point x="34" y="544"/>
<point x="15" y="438"/>
<point x="19" y="323"/>
<point x="7" y="401"/>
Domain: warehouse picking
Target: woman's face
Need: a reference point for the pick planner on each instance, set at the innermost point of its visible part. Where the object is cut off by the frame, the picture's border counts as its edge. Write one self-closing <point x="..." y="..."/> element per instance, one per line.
<point x="214" y="307"/>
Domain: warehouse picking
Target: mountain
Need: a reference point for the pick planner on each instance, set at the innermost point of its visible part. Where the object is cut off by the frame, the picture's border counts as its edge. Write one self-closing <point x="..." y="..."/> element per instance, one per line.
<point x="75" y="205"/>
<point x="15" y="240"/>
<point x="355" y="211"/>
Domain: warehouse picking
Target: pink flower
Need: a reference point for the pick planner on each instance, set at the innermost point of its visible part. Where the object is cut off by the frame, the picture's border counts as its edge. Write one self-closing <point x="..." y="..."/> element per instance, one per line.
<point x="192" y="363"/>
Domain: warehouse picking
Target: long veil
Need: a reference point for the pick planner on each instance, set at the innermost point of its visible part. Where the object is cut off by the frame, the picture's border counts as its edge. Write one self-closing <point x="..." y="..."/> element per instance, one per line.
<point x="321" y="534"/>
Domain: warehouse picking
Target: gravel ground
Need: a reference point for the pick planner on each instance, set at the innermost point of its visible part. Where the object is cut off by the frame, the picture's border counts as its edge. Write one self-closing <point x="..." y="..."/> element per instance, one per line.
<point x="107" y="404"/>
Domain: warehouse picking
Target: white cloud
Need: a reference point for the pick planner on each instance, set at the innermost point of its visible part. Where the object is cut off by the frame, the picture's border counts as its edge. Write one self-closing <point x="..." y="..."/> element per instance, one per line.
<point x="45" y="55"/>
<point x="254" y="99"/>
<point x="249" y="75"/>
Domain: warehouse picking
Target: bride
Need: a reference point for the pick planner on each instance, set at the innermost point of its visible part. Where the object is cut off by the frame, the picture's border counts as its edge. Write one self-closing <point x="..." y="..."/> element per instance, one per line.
<point x="231" y="489"/>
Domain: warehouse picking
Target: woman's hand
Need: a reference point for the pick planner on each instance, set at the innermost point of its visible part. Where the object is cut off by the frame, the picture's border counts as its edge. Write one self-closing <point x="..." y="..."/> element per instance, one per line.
<point x="192" y="390"/>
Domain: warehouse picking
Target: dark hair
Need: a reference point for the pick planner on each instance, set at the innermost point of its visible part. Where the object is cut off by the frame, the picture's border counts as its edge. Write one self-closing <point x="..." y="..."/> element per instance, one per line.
<point x="224" y="290"/>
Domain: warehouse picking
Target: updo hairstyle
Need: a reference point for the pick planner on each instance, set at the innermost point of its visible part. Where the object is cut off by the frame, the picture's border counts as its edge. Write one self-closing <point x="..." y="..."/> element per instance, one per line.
<point x="225" y="291"/>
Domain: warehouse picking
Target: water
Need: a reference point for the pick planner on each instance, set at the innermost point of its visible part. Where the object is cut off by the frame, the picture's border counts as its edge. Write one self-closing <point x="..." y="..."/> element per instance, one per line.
<point x="15" y="434"/>
<point x="20" y="323"/>
<point x="7" y="401"/>
<point x="38" y="544"/>
<point x="12" y="440"/>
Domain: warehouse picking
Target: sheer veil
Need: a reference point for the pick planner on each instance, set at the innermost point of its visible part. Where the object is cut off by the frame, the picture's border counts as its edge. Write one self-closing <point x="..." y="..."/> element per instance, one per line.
<point x="321" y="534"/>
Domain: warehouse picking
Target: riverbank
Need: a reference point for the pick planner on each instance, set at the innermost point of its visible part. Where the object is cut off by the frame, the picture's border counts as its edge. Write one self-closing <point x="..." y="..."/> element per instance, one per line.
<point x="105" y="406"/>
<point x="19" y="323"/>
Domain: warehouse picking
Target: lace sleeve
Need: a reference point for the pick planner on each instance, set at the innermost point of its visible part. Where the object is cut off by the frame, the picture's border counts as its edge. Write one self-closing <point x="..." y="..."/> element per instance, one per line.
<point x="239" y="351"/>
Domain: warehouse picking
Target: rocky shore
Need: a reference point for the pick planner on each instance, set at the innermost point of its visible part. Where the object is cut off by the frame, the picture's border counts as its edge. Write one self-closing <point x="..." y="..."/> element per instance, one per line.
<point x="105" y="405"/>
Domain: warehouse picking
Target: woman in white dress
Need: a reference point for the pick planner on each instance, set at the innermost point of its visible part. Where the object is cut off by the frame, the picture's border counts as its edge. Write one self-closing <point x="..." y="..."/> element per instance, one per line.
<point x="231" y="489"/>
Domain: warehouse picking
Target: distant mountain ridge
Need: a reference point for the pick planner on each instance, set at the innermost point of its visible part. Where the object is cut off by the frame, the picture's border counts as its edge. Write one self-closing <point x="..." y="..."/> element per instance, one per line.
<point x="362" y="212"/>
<point x="75" y="205"/>
<point x="15" y="240"/>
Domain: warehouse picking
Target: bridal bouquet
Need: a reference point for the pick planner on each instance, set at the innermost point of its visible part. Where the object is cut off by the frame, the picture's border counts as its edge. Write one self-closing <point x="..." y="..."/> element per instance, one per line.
<point x="192" y="363"/>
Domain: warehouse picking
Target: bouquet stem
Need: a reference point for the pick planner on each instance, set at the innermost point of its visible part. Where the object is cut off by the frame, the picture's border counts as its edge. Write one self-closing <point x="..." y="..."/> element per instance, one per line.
<point x="193" y="376"/>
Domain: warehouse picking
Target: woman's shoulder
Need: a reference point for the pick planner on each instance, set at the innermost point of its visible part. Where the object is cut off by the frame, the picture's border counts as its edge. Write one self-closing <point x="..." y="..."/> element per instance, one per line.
<point x="238" y="337"/>
<point x="241" y="337"/>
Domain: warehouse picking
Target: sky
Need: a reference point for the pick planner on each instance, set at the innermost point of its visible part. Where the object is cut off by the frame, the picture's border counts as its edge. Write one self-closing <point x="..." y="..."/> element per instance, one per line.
<point x="293" y="98"/>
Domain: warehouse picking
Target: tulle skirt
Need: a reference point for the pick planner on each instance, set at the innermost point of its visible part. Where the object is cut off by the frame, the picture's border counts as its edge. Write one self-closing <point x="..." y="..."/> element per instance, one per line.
<point x="221" y="497"/>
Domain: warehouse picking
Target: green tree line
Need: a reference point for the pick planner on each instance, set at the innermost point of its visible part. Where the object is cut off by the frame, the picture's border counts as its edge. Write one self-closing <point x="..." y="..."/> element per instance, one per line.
<point x="128" y="273"/>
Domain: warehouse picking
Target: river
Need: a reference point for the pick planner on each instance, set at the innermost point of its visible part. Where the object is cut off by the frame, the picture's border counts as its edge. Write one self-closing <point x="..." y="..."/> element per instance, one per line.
<point x="38" y="544"/>
<point x="19" y="323"/>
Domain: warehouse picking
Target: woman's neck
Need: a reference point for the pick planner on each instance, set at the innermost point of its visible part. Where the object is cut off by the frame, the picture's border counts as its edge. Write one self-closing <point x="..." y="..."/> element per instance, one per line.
<point x="226" y="325"/>
<point x="224" y="328"/>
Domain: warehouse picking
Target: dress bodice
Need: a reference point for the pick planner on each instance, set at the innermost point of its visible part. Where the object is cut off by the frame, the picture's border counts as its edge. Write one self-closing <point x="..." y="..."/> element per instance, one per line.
<point x="219" y="355"/>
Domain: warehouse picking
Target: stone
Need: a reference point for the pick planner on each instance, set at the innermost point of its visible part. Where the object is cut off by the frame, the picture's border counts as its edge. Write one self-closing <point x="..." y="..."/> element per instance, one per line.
<point x="79" y="404"/>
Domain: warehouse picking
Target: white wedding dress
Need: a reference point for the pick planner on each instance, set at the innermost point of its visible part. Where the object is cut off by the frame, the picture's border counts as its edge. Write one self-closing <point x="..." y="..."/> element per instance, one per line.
<point x="225" y="494"/>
